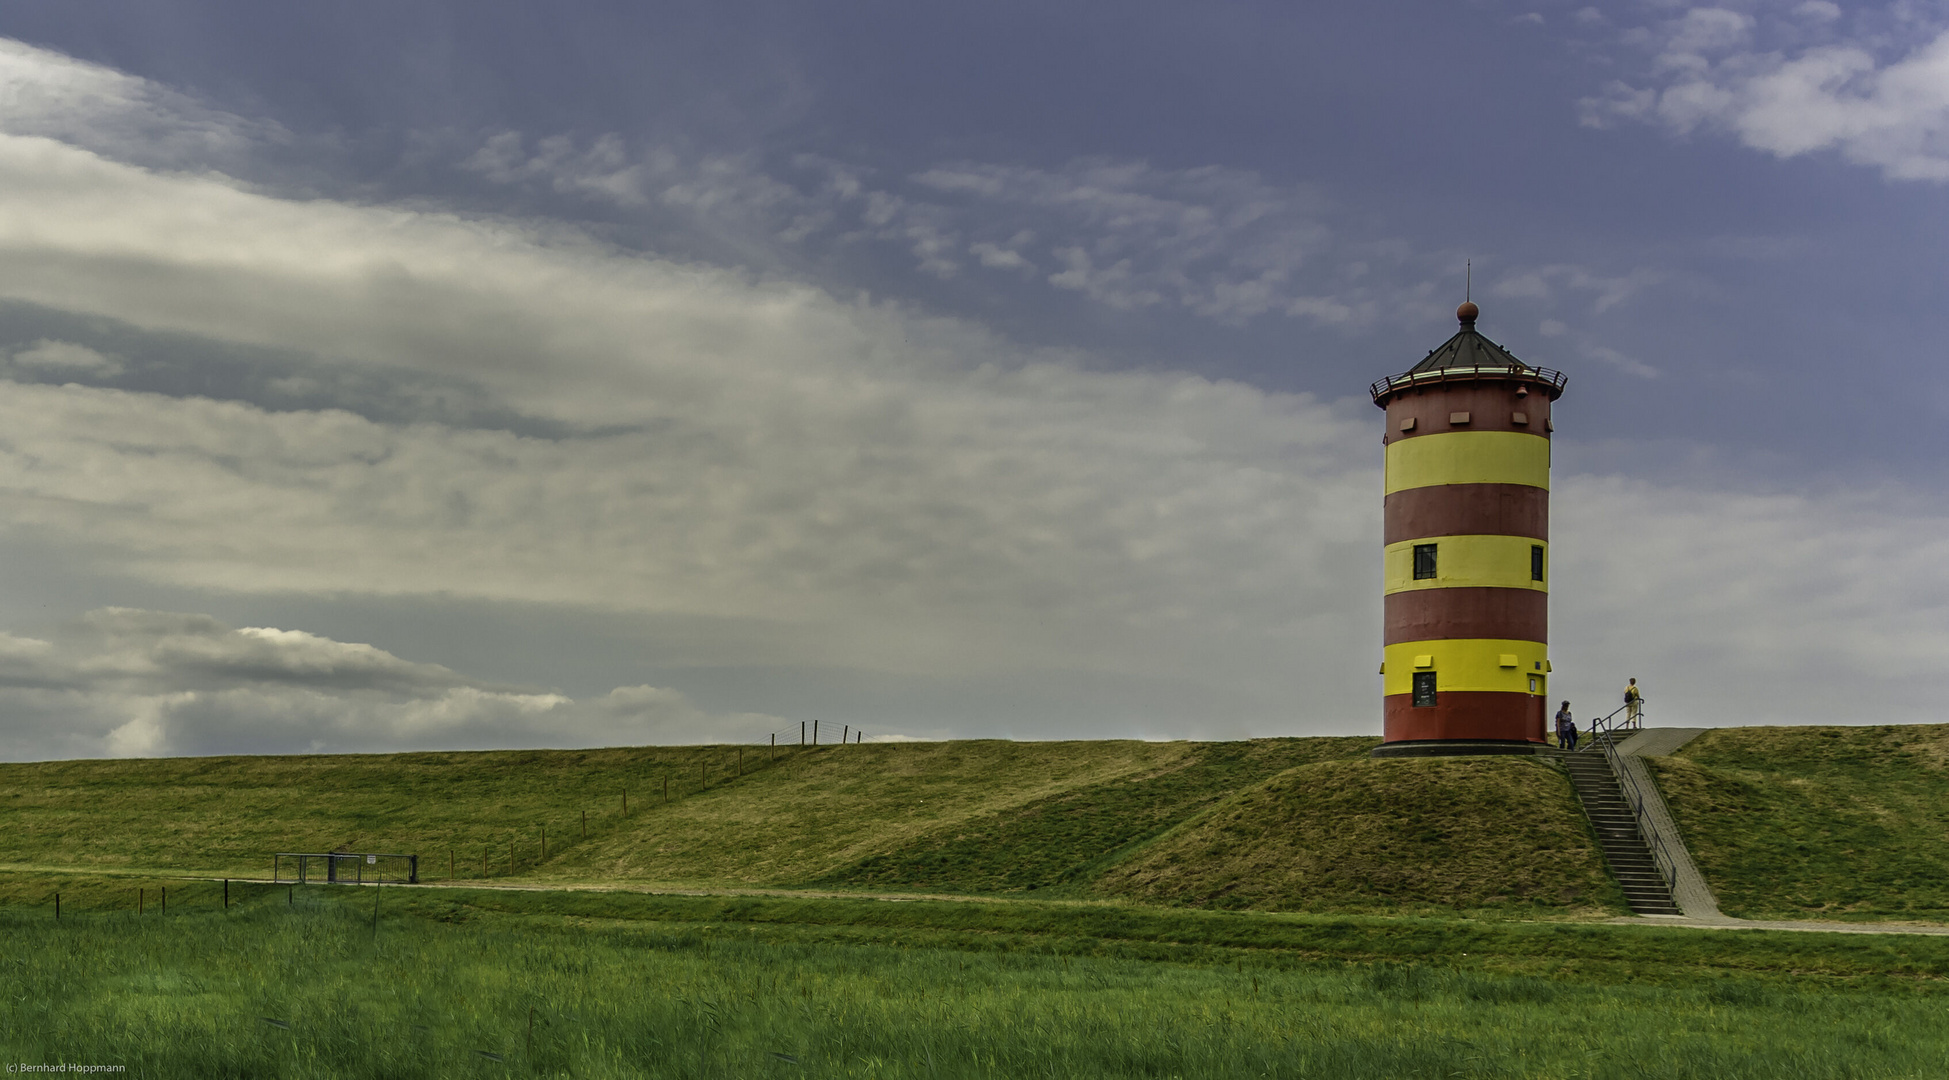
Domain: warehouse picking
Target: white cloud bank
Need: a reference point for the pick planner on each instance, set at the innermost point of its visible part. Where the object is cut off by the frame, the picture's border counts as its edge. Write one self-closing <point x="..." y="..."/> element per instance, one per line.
<point x="1793" y="79"/>
<point x="122" y="682"/>
<point x="45" y="93"/>
<point x="831" y="485"/>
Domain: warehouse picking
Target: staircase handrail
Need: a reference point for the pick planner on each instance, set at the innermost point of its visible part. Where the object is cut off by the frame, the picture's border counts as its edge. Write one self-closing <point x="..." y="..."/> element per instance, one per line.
<point x="1661" y="855"/>
<point x="1631" y="723"/>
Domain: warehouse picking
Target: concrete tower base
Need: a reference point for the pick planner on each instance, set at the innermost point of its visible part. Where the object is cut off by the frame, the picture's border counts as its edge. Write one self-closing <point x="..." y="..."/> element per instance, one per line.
<point x="1454" y="748"/>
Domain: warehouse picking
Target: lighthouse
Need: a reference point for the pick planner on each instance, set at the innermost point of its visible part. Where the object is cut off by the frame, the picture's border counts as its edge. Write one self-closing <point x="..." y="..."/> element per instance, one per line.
<point x="1465" y="664"/>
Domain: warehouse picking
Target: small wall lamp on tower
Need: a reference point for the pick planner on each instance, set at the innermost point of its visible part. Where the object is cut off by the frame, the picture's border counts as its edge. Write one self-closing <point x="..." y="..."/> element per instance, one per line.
<point x="1465" y="665"/>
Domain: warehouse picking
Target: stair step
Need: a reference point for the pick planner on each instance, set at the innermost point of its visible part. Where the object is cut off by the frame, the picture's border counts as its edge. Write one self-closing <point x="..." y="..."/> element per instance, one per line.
<point x="1614" y="819"/>
<point x="1615" y="822"/>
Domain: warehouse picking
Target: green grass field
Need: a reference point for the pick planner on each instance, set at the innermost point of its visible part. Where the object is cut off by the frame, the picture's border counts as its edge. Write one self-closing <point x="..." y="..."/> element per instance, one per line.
<point x="1848" y="823"/>
<point x="1157" y="822"/>
<point x="349" y="982"/>
<point x="1269" y="908"/>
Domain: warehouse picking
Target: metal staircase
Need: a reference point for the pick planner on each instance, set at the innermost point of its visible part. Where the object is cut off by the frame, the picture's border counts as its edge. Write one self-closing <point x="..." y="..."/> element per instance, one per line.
<point x="1630" y="845"/>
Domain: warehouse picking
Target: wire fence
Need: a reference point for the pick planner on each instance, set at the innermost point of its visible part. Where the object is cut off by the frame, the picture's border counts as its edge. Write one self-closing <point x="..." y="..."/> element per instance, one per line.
<point x="522" y="849"/>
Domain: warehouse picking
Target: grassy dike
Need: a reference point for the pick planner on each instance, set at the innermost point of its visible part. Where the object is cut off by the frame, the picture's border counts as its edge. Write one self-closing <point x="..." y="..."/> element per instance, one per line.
<point x="348" y="982"/>
<point x="1275" y="824"/>
<point x="1270" y="908"/>
<point x="1843" y="823"/>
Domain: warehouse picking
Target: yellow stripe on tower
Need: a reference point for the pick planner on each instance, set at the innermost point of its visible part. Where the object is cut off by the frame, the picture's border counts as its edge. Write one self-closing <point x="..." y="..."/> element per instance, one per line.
<point x="1465" y="664"/>
<point x="1468" y="457"/>
<point x="1460" y="561"/>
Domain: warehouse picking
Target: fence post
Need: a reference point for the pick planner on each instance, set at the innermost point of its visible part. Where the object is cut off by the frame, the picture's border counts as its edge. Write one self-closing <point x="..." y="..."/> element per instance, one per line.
<point x="815" y="733"/>
<point x="801" y="733"/>
<point x="226" y="894"/>
<point x="412" y="869"/>
<point x="57" y="907"/>
<point x="845" y="734"/>
<point x="165" y="900"/>
<point x="666" y="787"/>
<point x="585" y="824"/>
<point x="774" y="747"/>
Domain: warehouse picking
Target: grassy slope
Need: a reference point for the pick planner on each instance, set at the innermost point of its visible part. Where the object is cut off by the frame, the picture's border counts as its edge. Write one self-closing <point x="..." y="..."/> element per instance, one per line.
<point x="1383" y="836"/>
<point x="779" y="824"/>
<point x="1064" y="839"/>
<point x="1334" y="829"/>
<point x="1828" y="822"/>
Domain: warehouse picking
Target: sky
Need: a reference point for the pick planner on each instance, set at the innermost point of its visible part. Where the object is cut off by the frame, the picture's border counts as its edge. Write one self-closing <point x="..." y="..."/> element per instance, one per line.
<point x="408" y="375"/>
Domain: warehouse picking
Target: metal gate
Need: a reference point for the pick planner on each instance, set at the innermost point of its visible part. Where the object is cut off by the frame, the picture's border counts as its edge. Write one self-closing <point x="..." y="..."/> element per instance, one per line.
<point x="345" y="868"/>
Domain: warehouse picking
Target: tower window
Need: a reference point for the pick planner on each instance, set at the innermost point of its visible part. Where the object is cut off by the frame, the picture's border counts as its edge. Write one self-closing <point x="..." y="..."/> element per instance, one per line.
<point x="1536" y="562"/>
<point x="1424" y="561"/>
<point x="1424" y="689"/>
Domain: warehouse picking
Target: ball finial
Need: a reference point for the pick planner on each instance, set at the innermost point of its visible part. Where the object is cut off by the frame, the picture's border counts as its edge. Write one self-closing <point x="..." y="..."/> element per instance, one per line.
<point x="1467" y="312"/>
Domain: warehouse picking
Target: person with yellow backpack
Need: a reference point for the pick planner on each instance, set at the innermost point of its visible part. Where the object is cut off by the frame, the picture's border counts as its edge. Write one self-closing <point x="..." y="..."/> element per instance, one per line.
<point x="1633" y="706"/>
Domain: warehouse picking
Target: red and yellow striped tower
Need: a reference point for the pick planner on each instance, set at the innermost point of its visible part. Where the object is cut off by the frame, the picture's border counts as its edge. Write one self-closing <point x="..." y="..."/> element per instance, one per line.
<point x="1465" y="665"/>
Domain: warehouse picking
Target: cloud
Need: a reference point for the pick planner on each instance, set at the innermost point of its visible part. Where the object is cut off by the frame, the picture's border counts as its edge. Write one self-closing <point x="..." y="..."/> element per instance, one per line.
<point x="1753" y="607"/>
<point x="832" y="484"/>
<point x="606" y="171"/>
<point x="64" y="359"/>
<point x="45" y="93"/>
<point x="1624" y="362"/>
<point x="121" y="682"/>
<point x="1012" y="518"/>
<point x="997" y="257"/>
<point x="1218" y="243"/>
<point x="850" y="484"/>
<point x="1790" y="83"/>
<point x="1606" y="291"/>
